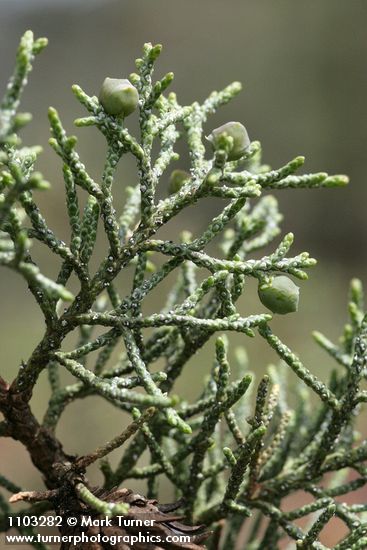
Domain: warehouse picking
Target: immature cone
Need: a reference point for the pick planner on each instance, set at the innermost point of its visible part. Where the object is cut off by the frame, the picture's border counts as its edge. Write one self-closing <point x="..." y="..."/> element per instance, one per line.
<point x="177" y="179"/>
<point x="239" y="135"/>
<point x="118" y="97"/>
<point x="280" y="296"/>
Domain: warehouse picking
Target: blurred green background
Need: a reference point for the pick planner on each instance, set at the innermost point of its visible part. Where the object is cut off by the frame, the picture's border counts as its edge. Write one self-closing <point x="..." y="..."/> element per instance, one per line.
<point x="303" y="66"/>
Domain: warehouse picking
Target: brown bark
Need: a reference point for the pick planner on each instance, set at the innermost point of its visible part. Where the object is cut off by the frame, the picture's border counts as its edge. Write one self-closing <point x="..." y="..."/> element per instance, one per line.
<point x="44" y="448"/>
<point x="47" y="455"/>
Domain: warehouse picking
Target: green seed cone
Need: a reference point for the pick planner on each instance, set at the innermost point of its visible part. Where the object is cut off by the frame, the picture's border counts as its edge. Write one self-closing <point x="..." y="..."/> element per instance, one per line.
<point x="280" y="296"/>
<point x="239" y="135"/>
<point x="177" y="179"/>
<point x="118" y="97"/>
